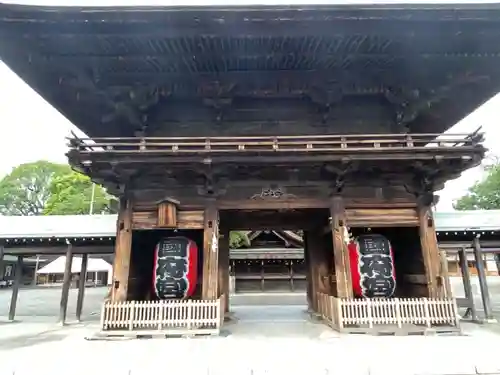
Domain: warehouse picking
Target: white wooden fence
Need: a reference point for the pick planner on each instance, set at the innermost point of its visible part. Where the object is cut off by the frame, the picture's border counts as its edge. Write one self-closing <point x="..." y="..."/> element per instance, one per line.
<point x="166" y="317"/>
<point x="428" y="312"/>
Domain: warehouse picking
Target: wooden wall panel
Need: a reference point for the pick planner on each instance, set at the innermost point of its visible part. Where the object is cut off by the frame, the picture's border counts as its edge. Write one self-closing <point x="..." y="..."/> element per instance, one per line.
<point x="381" y="217"/>
<point x="144" y="219"/>
<point x="185" y="219"/>
<point x="190" y="219"/>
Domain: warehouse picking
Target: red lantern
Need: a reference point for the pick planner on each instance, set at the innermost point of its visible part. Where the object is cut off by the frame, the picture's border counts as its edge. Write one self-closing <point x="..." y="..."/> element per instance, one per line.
<point x="372" y="266"/>
<point x="175" y="271"/>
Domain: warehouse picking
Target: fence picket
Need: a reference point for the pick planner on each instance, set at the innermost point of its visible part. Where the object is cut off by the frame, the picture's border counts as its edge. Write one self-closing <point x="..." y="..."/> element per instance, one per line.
<point x="187" y="315"/>
<point x="341" y="312"/>
<point x="132" y="314"/>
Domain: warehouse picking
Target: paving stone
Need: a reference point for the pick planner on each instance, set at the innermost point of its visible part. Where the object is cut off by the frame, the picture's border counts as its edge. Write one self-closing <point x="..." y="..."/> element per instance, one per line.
<point x="269" y="340"/>
<point x="488" y="366"/>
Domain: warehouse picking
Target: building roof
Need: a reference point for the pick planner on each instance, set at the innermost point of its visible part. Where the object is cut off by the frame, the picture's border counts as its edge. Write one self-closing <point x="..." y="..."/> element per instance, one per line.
<point x="105" y="68"/>
<point x="93" y="265"/>
<point x="481" y="220"/>
<point x="99" y="226"/>
<point x="67" y="226"/>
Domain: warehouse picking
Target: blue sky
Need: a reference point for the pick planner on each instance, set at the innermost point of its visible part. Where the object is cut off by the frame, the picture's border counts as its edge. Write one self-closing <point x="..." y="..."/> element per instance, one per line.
<point x="30" y="129"/>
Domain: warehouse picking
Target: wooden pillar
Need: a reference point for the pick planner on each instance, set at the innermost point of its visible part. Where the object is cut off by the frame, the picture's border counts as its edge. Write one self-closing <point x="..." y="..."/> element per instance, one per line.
<point x="307" y="264"/>
<point x="443" y="258"/>
<point x="262" y="276"/>
<point x="312" y="270"/>
<point x="63" y="305"/>
<point x="232" y="275"/>
<point x="2" y="267"/>
<point x="81" y="286"/>
<point x="123" y="251"/>
<point x="497" y="262"/>
<point x="318" y="265"/>
<point x="210" y="252"/>
<point x="430" y="250"/>
<point x="15" y="288"/>
<point x="35" y="274"/>
<point x="224" y="268"/>
<point x="464" y="267"/>
<point x="483" y="284"/>
<point x="309" y="277"/>
<point x="340" y="252"/>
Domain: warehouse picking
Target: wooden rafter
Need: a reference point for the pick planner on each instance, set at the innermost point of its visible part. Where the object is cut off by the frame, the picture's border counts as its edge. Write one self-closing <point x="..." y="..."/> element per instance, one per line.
<point x="311" y="59"/>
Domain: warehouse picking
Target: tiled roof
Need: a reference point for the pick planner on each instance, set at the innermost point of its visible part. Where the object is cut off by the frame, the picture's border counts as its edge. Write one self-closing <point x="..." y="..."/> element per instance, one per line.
<point x="88" y="226"/>
<point x="74" y="226"/>
<point x="481" y="220"/>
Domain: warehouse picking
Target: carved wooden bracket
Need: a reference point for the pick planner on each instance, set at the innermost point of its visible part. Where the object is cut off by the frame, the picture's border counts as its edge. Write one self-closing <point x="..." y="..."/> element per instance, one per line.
<point x="219" y="105"/>
<point x="340" y="172"/>
<point x="325" y="98"/>
<point x="404" y="103"/>
<point x="273" y="193"/>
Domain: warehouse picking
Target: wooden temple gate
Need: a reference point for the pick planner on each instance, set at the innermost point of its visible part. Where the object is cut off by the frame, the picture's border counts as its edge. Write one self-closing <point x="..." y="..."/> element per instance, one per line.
<point x="324" y="221"/>
<point x="320" y="119"/>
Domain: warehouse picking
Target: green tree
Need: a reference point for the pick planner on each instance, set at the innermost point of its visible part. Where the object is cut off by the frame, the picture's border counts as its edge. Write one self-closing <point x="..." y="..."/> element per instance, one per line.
<point x="485" y="194"/>
<point x="26" y="190"/>
<point x="71" y="194"/>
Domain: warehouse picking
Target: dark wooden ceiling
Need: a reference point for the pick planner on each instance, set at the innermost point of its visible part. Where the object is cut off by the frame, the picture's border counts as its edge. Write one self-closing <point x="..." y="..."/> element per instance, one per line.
<point x="212" y="71"/>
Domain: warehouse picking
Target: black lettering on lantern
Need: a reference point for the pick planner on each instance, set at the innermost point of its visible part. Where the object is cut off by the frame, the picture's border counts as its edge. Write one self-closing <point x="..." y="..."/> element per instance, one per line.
<point x="373" y="266"/>
<point x="175" y="268"/>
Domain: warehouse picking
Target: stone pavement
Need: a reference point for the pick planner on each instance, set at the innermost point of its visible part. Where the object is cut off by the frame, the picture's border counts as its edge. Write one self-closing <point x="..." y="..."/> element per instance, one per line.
<point x="252" y="348"/>
<point x="265" y="339"/>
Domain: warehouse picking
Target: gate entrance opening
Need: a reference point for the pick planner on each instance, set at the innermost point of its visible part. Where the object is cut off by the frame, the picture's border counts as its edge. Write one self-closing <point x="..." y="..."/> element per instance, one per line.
<point x="267" y="261"/>
<point x="324" y="271"/>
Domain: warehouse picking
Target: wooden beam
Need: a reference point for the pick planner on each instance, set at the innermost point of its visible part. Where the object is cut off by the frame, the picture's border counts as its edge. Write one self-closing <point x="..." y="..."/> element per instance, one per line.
<point x="277" y="204"/>
<point x="340" y="252"/>
<point x="63" y="305"/>
<point x="430" y="250"/>
<point x="210" y="251"/>
<point x="123" y="251"/>
<point x="137" y="157"/>
<point x="81" y="287"/>
<point x="267" y="218"/>
<point x="15" y="288"/>
<point x="58" y="250"/>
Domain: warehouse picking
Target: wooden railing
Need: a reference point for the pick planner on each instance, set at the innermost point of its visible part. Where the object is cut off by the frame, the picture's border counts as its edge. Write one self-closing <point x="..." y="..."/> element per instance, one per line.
<point x="341" y="313"/>
<point x="316" y="143"/>
<point x="169" y="316"/>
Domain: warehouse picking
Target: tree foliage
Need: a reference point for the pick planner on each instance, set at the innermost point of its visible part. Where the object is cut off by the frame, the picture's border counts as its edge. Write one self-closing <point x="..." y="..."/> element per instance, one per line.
<point x="71" y="194"/>
<point x="45" y="188"/>
<point x="485" y="194"/>
<point x="26" y="190"/>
